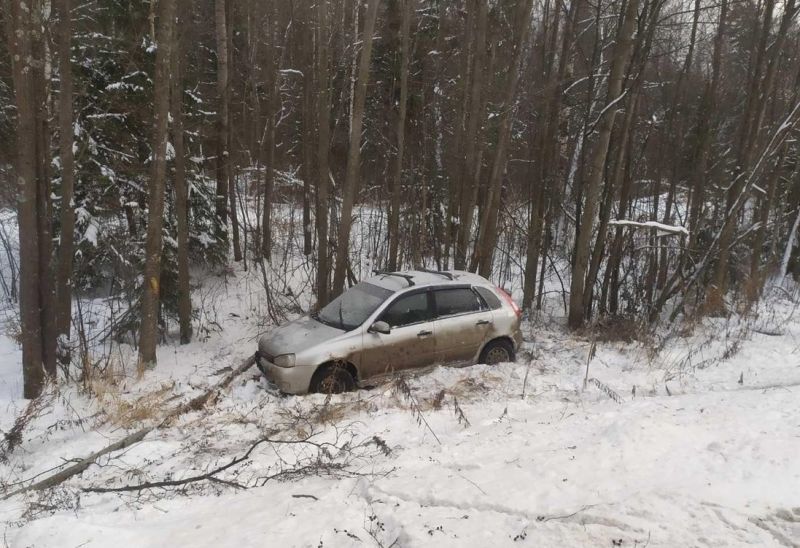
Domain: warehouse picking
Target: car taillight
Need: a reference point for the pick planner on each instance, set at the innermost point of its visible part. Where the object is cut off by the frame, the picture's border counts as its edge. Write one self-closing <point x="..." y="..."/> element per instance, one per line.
<point x="510" y="302"/>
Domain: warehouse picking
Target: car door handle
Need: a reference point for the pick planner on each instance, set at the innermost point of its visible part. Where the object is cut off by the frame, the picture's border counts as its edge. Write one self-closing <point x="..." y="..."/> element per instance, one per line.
<point x="424" y="333"/>
<point x="483" y="322"/>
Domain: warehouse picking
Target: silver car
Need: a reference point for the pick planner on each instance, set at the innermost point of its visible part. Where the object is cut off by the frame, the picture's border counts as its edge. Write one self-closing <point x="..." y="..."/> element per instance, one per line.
<point x="392" y="322"/>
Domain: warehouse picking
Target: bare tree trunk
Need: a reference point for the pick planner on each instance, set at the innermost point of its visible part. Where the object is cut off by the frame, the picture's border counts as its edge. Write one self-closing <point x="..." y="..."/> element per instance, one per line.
<point x="148" y="336"/>
<point x="447" y="179"/>
<point x="484" y="250"/>
<point x="546" y="155"/>
<point x="705" y="116"/>
<point x="181" y="193"/>
<point x="66" y="247"/>
<point x="255" y="134"/>
<point x="605" y="213"/>
<point x="271" y="66"/>
<point x="676" y="134"/>
<point x="223" y="156"/>
<point x="639" y="61"/>
<point x="610" y="292"/>
<point x="323" y="145"/>
<point x="231" y="172"/>
<point x="758" y="95"/>
<point x="541" y="141"/>
<point x="758" y="275"/>
<point x="232" y="193"/>
<point x="309" y="125"/>
<point x="470" y="174"/>
<point x="757" y="280"/>
<point x="269" y="183"/>
<point x="622" y="53"/>
<point x="458" y="171"/>
<point x="787" y="251"/>
<point x="683" y="283"/>
<point x="25" y="45"/>
<point x="394" y="214"/>
<point x="354" y="152"/>
<point x="47" y="296"/>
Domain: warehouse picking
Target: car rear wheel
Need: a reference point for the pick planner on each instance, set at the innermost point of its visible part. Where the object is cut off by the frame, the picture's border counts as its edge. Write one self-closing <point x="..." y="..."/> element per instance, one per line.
<point x="498" y="351"/>
<point x="332" y="379"/>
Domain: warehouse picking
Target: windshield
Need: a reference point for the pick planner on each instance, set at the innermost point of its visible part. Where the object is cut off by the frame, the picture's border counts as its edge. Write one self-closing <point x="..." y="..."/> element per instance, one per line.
<point x="353" y="307"/>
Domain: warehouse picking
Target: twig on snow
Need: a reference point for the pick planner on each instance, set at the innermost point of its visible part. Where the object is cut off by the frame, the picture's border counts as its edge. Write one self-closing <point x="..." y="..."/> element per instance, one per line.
<point x="402" y="387"/>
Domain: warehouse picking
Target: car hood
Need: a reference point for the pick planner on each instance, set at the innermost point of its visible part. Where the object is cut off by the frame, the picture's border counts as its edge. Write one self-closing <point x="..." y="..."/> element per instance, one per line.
<point x="301" y="334"/>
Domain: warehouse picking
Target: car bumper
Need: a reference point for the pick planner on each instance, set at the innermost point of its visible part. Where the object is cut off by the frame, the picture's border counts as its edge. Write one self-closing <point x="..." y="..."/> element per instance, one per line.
<point x="292" y="380"/>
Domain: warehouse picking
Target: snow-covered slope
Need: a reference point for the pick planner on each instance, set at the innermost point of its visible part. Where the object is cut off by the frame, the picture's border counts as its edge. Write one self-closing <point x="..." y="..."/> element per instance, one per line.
<point x="696" y="445"/>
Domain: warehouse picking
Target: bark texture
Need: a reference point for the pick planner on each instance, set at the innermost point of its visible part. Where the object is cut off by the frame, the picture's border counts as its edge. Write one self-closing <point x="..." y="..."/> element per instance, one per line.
<point x="354" y="150"/>
<point x="621" y="56"/>
<point x="149" y="332"/>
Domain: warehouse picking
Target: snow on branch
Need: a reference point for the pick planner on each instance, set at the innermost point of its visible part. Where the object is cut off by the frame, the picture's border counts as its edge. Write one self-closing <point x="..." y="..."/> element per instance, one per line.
<point x="661" y="227"/>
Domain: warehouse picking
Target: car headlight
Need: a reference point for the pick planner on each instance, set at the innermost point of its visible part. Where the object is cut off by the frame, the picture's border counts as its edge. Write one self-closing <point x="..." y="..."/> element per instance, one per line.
<point x="284" y="360"/>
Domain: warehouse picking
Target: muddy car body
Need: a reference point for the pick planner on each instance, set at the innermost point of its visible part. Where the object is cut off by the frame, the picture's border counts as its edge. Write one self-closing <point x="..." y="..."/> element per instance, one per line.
<point x="389" y="323"/>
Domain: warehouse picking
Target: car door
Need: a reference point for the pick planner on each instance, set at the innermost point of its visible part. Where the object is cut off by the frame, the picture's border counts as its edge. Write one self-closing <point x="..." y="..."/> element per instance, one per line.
<point x="461" y="325"/>
<point x="409" y="344"/>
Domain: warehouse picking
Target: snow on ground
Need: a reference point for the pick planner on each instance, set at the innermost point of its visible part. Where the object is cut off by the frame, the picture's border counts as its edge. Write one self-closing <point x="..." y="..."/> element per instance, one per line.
<point x="695" y="445"/>
<point x="693" y="457"/>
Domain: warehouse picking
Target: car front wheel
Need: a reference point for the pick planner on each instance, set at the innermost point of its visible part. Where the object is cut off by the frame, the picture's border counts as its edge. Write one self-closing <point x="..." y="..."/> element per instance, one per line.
<point x="332" y="379"/>
<point x="498" y="351"/>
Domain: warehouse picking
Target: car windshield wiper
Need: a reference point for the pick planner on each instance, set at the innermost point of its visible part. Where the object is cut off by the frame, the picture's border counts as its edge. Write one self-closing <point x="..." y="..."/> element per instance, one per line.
<point x="322" y="319"/>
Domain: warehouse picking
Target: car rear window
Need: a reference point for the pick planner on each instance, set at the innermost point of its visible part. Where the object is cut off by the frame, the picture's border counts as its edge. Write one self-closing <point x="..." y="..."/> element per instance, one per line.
<point x="491" y="300"/>
<point x="407" y="310"/>
<point x="458" y="300"/>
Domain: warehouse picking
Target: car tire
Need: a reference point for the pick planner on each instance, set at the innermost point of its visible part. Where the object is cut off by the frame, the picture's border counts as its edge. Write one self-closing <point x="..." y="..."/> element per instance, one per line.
<point x="332" y="379"/>
<point x="497" y="351"/>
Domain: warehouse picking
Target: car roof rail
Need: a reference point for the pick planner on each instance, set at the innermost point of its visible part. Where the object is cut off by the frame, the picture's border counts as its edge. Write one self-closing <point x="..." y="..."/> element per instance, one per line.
<point x="409" y="278"/>
<point x="448" y="275"/>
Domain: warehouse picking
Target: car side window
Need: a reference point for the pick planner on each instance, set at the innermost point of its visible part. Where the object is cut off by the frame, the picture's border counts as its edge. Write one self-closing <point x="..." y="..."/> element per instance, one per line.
<point x="407" y="310"/>
<point x="489" y="297"/>
<point x="458" y="300"/>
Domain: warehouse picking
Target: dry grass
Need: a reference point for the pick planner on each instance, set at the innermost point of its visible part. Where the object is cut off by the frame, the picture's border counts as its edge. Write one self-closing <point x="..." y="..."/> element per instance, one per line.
<point x="471" y="386"/>
<point x="714" y="304"/>
<point x="13" y="438"/>
<point x="624" y="329"/>
<point x="107" y="388"/>
<point x="123" y="412"/>
<point x="303" y="419"/>
<point x="751" y="293"/>
<point x="332" y="413"/>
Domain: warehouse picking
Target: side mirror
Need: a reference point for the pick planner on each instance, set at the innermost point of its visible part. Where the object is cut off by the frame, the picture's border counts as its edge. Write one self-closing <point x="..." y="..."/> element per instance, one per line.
<point x="380" y="327"/>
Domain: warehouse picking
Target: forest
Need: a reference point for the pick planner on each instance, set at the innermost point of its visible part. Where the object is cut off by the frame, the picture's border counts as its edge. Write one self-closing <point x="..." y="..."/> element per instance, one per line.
<point x="628" y="160"/>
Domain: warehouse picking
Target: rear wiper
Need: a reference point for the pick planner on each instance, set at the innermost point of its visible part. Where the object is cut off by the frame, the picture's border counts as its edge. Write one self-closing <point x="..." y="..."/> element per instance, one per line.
<point x="341" y="318"/>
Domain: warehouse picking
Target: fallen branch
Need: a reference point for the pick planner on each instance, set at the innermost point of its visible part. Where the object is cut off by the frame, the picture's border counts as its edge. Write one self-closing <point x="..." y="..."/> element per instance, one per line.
<point x="174" y="483"/>
<point x="301" y="496"/>
<point x="81" y="465"/>
<point x="565" y="516"/>
<point x="322" y="463"/>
